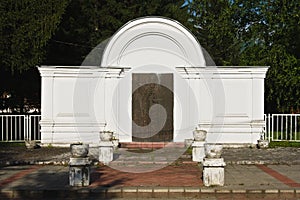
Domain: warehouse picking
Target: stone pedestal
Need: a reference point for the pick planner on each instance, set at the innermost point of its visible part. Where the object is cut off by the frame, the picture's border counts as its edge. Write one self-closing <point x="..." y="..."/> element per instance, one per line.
<point x="213" y="171"/>
<point x="106" y="152"/>
<point x="79" y="171"/>
<point x="198" y="151"/>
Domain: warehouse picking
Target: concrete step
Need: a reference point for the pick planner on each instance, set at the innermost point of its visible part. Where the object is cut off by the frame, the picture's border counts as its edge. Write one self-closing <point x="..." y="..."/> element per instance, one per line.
<point x="151" y="145"/>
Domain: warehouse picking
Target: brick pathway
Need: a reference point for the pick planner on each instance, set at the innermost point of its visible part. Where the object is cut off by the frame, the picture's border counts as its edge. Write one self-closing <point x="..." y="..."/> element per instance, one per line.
<point x="181" y="175"/>
<point x="272" y="174"/>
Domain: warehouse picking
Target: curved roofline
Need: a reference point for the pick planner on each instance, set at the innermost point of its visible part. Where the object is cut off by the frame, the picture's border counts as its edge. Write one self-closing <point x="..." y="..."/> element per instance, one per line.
<point x="149" y="19"/>
<point x="158" y="17"/>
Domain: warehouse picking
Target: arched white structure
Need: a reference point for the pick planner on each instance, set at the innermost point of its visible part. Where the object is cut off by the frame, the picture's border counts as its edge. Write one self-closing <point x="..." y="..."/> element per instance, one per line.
<point x="153" y="40"/>
<point x="78" y="102"/>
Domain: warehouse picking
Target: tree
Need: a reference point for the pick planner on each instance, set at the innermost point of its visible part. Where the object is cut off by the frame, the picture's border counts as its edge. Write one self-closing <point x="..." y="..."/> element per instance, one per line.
<point x="258" y="33"/>
<point x="26" y="27"/>
<point x="216" y="29"/>
<point x="87" y="23"/>
<point x="272" y="38"/>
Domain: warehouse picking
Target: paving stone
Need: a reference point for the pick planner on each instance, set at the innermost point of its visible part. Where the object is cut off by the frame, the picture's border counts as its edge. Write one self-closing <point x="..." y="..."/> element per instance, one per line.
<point x="287" y="191"/>
<point x="238" y="191"/>
<point x="145" y="189"/>
<point x="161" y="190"/>
<point x="255" y="191"/>
<point x="204" y="190"/>
<point x="179" y="189"/>
<point x="270" y="191"/>
<point x="192" y="190"/>
<point x="130" y="189"/>
<point x="223" y="191"/>
<point x="114" y="190"/>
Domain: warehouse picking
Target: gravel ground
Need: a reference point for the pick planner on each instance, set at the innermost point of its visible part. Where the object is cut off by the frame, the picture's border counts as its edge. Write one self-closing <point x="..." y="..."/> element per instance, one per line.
<point x="19" y="154"/>
<point x="279" y="155"/>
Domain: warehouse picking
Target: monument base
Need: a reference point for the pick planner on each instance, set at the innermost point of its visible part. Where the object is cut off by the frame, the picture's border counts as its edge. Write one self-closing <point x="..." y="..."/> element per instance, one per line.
<point x="79" y="172"/>
<point x="213" y="171"/>
<point x="106" y="152"/>
<point x="198" y="151"/>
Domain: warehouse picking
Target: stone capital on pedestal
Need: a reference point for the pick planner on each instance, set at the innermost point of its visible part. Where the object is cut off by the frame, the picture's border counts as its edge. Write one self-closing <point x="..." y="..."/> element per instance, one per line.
<point x="214" y="162"/>
<point x="106" y="144"/>
<point x="79" y="161"/>
<point x="198" y="143"/>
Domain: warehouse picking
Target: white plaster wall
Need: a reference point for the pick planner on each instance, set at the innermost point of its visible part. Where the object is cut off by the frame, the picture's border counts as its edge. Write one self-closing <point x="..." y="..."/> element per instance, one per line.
<point x="79" y="102"/>
<point x="67" y="105"/>
<point x="231" y="102"/>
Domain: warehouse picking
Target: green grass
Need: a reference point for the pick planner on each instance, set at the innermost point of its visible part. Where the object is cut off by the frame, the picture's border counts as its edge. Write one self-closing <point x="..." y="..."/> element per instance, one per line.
<point x="282" y="136"/>
<point x="274" y="144"/>
<point x="11" y="144"/>
<point x="189" y="151"/>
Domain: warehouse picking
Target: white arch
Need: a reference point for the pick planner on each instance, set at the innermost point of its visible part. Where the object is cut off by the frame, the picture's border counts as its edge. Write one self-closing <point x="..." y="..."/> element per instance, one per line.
<point x="153" y="40"/>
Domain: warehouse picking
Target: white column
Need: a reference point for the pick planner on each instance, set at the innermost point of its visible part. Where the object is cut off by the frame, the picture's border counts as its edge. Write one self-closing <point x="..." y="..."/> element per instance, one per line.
<point x="258" y="99"/>
<point x="99" y="98"/>
<point x="46" y="95"/>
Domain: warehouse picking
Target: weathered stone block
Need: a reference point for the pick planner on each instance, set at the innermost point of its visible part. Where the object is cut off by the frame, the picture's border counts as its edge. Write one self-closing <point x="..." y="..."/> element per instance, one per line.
<point x="106" y="152"/>
<point x="198" y="151"/>
<point x="79" y="175"/>
<point x="213" y="172"/>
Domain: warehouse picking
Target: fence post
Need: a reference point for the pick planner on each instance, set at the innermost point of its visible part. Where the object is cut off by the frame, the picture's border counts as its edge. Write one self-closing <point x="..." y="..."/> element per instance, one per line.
<point x="268" y="128"/>
<point x="26" y="127"/>
<point x="2" y="133"/>
<point x="29" y="126"/>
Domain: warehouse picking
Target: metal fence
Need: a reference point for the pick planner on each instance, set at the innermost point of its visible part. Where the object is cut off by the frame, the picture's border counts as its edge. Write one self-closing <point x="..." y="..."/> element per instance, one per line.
<point x="19" y="127"/>
<point x="282" y="127"/>
<point x="278" y="127"/>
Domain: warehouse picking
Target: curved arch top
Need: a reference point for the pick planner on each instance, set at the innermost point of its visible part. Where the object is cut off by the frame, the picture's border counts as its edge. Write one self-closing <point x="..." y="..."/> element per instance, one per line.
<point x="150" y="41"/>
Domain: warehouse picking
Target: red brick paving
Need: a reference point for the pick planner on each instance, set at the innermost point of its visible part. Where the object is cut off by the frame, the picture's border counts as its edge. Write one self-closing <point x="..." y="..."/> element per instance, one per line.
<point x="18" y="175"/>
<point x="278" y="176"/>
<point x="182" y="175"/>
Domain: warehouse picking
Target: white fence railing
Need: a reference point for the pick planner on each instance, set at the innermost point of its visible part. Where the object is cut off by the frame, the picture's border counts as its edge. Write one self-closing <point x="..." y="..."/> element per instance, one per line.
<point x="282" y="127"/>
<point x="278" y="127"/>
<point x="19" y="127"/>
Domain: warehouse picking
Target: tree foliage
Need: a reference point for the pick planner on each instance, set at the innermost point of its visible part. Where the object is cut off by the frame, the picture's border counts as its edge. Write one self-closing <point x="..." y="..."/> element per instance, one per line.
<point x="216" y="29"/>
<point x="26" y="26"/>
<point x="272" y="38"/>
<point x="234" y="32"/>
<point x="89" y="22"/>
<point x="258" y="33"/>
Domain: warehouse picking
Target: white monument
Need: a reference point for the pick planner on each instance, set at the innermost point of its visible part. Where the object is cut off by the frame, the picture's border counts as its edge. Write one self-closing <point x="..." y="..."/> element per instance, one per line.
<point x="80" y="101"/>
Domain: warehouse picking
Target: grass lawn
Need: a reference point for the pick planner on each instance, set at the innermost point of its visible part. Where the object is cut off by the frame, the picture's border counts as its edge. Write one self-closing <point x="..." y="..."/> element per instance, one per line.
<point x="286" y="136"/>
<point x="274" y="144"/>
<point x="11" y="144"/>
